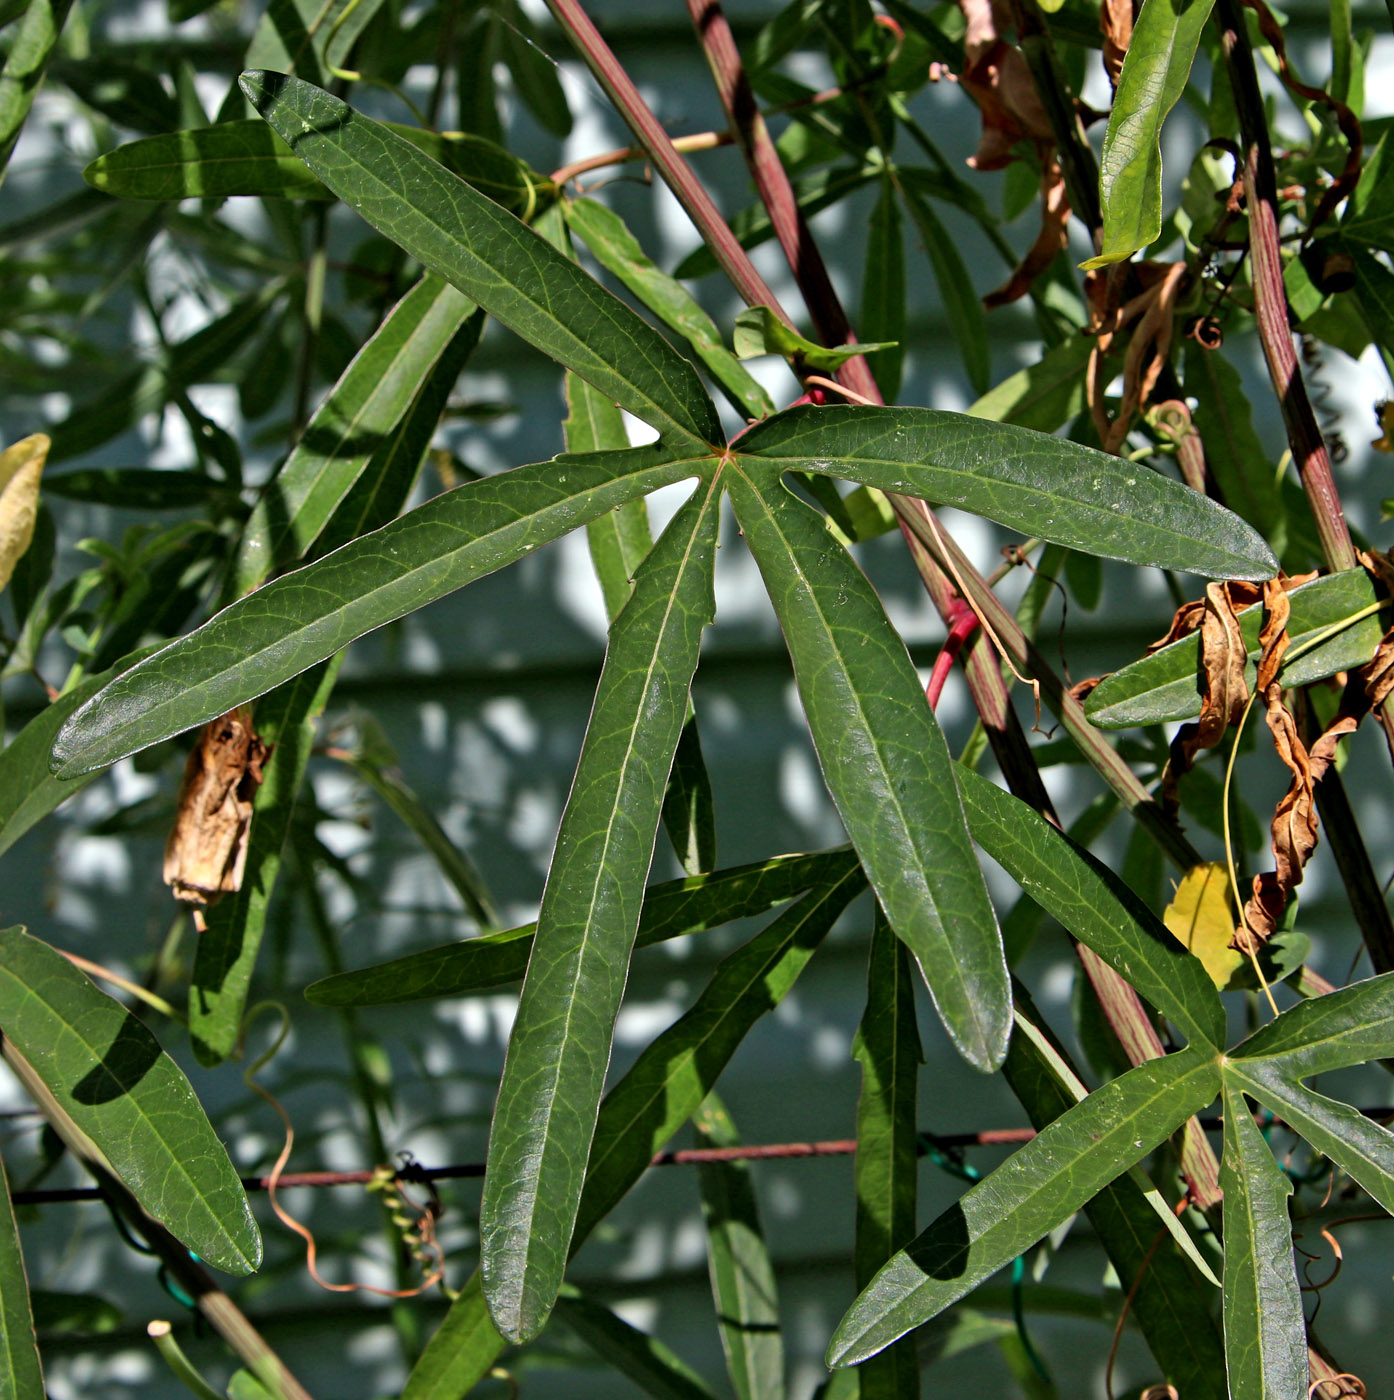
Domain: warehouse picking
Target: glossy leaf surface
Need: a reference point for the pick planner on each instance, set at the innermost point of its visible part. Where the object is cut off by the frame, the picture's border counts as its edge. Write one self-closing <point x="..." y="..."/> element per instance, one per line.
<point x="1055" y="1174"/>
<point x="1265" y="1329"/>
<point x="1155" y="71"/>
<point x="1165" y="685"/>
<point x="107" y="1073"/>
<point x="1044" y="486"/>
<point x="885" y="762"/>
<point x="307" y="616"/>
<point x="559" y="1048"/>
<point x="512" y="272"/>
<point x="738" y="1261"/>
<point x="20" y="1371"/>
<point x="670" y="910"/>
<point x="372" y="397"/>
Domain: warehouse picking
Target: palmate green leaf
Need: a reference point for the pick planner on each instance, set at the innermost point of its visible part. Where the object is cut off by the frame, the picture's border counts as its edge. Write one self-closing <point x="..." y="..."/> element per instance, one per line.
<point x="1369" y="214"/>
<point x="1347" y="1027"/>
<point x="738" y="1260"/>
<point x="1095" y="905"/>
<point x="1265" y="1330"/>
<point x="372" y="397"/>
<point x="21" y="1374"/>
<point x="658" y="1095"/>
<point x="100" y="1067"/>
<point x="884" y="760"/>
<point x="1053" y="1176"/>
<point x="1155" y="71"/>
<point x="28" y="791"/>
<point x="246" y="157"/>
<point x="554" y="1072"/>
<point x="1045" y="395"/>
<point x="1040" y="485"/>
<point x="1171" y="1304"/>
<point x="1359" y="1146"/>
<point x="967" y="323"/>
<point x="670" y="910"/>
<point x="228" y="946"/>
<point x="1165" y="685"/>
<point x="306" y="616"/>
<point x="882" y="315"/>
<point x="653" y="1367"/>
<point x="512" y="272"/>
<point x="887" y="1045"/>
<point x="619" y="252"/>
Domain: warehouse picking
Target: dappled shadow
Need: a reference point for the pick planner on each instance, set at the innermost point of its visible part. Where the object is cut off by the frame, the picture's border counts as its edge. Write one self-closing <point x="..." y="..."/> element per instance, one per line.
<point x="127" y="1061"/>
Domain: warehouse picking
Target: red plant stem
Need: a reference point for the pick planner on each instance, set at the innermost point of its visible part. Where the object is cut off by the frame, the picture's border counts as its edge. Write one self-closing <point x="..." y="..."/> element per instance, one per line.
<point x="965" y="620"/>
<point x="1270" y="300"/>
<point x="676" y="172"/>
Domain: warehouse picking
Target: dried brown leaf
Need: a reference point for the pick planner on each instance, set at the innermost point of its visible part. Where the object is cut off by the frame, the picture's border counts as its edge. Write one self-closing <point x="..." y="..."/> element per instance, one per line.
<point x="207" y="849"/>
<point x="1055" y="217"/>
<point x="1116" y="25"/>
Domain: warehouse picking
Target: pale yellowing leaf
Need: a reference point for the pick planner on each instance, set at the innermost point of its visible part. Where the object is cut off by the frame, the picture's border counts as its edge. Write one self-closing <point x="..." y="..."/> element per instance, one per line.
<point x="21" y="466"/>
<point x="1201" y="917"/>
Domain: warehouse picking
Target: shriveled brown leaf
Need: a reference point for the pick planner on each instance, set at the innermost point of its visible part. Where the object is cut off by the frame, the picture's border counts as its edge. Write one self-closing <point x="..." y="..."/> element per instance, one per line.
<point x="1295" y="828"/>
<point x="1116" y="25"/>
<point x="207" y="849"/>
<point x="1055" y="218"/>
<point x="998" y="78"/>
<point x="1224" y="691"/>
<point x="1378" y="675"/>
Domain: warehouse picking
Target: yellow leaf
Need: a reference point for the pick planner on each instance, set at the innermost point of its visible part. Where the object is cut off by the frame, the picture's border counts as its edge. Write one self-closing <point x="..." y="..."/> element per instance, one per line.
<point x="1201" y="916"/>
<point x="20" y="469"/>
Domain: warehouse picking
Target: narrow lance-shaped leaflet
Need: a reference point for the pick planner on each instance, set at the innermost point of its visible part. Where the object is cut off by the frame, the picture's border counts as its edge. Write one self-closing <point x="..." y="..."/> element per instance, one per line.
<point x="554" y="1070"/>
<point x="884" y="760"/>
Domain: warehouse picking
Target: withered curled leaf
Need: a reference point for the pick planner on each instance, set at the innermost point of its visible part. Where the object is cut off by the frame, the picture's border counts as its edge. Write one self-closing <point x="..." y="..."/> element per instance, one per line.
<point x="207" y="849"/>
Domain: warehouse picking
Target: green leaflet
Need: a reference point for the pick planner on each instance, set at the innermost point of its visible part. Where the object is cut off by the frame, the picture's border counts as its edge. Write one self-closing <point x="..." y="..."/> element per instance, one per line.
<point x="1171" y="1305"/>
<point x="1165" y="685"/>
<point x="370" y="400"/>
<point x="884" y="760"/>
<point x="618" y="251"/>
<point x="738" y="1260"/>
<point x="1033" y="1191"/>
<point x="1045" y="395"/>
<point x="28" y="791"/>
<point x="554" y="1072"/>
<point x="496" y="959"/>
<point x="308" y="36"/>
<point x="1369" y="215"/>
<point x="962" y="305"/>
<point x="1346" y="1027"/>
<point x="1095" y="905"/>
<point x="31" y="46"/>
<point x="100" y="1068"/>
<point x="887" y="1045"/>
<point x="512" y="272"/>
<point x="759" y="331"/>
<point x="21" y="1374"/>
<point x="663" y="1089"/>
<point x="655" y="1369"/>
<point x="1265" y="1330"/>
<point x="247" y="157"/>
<point x="227" y="948"/>
<point x="883" y="293"/>
<point x="1154" y="75"/>
<point x="678" y="1069"/>
<point x="307" y="616"/>
<point x="1040" y="485"/>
